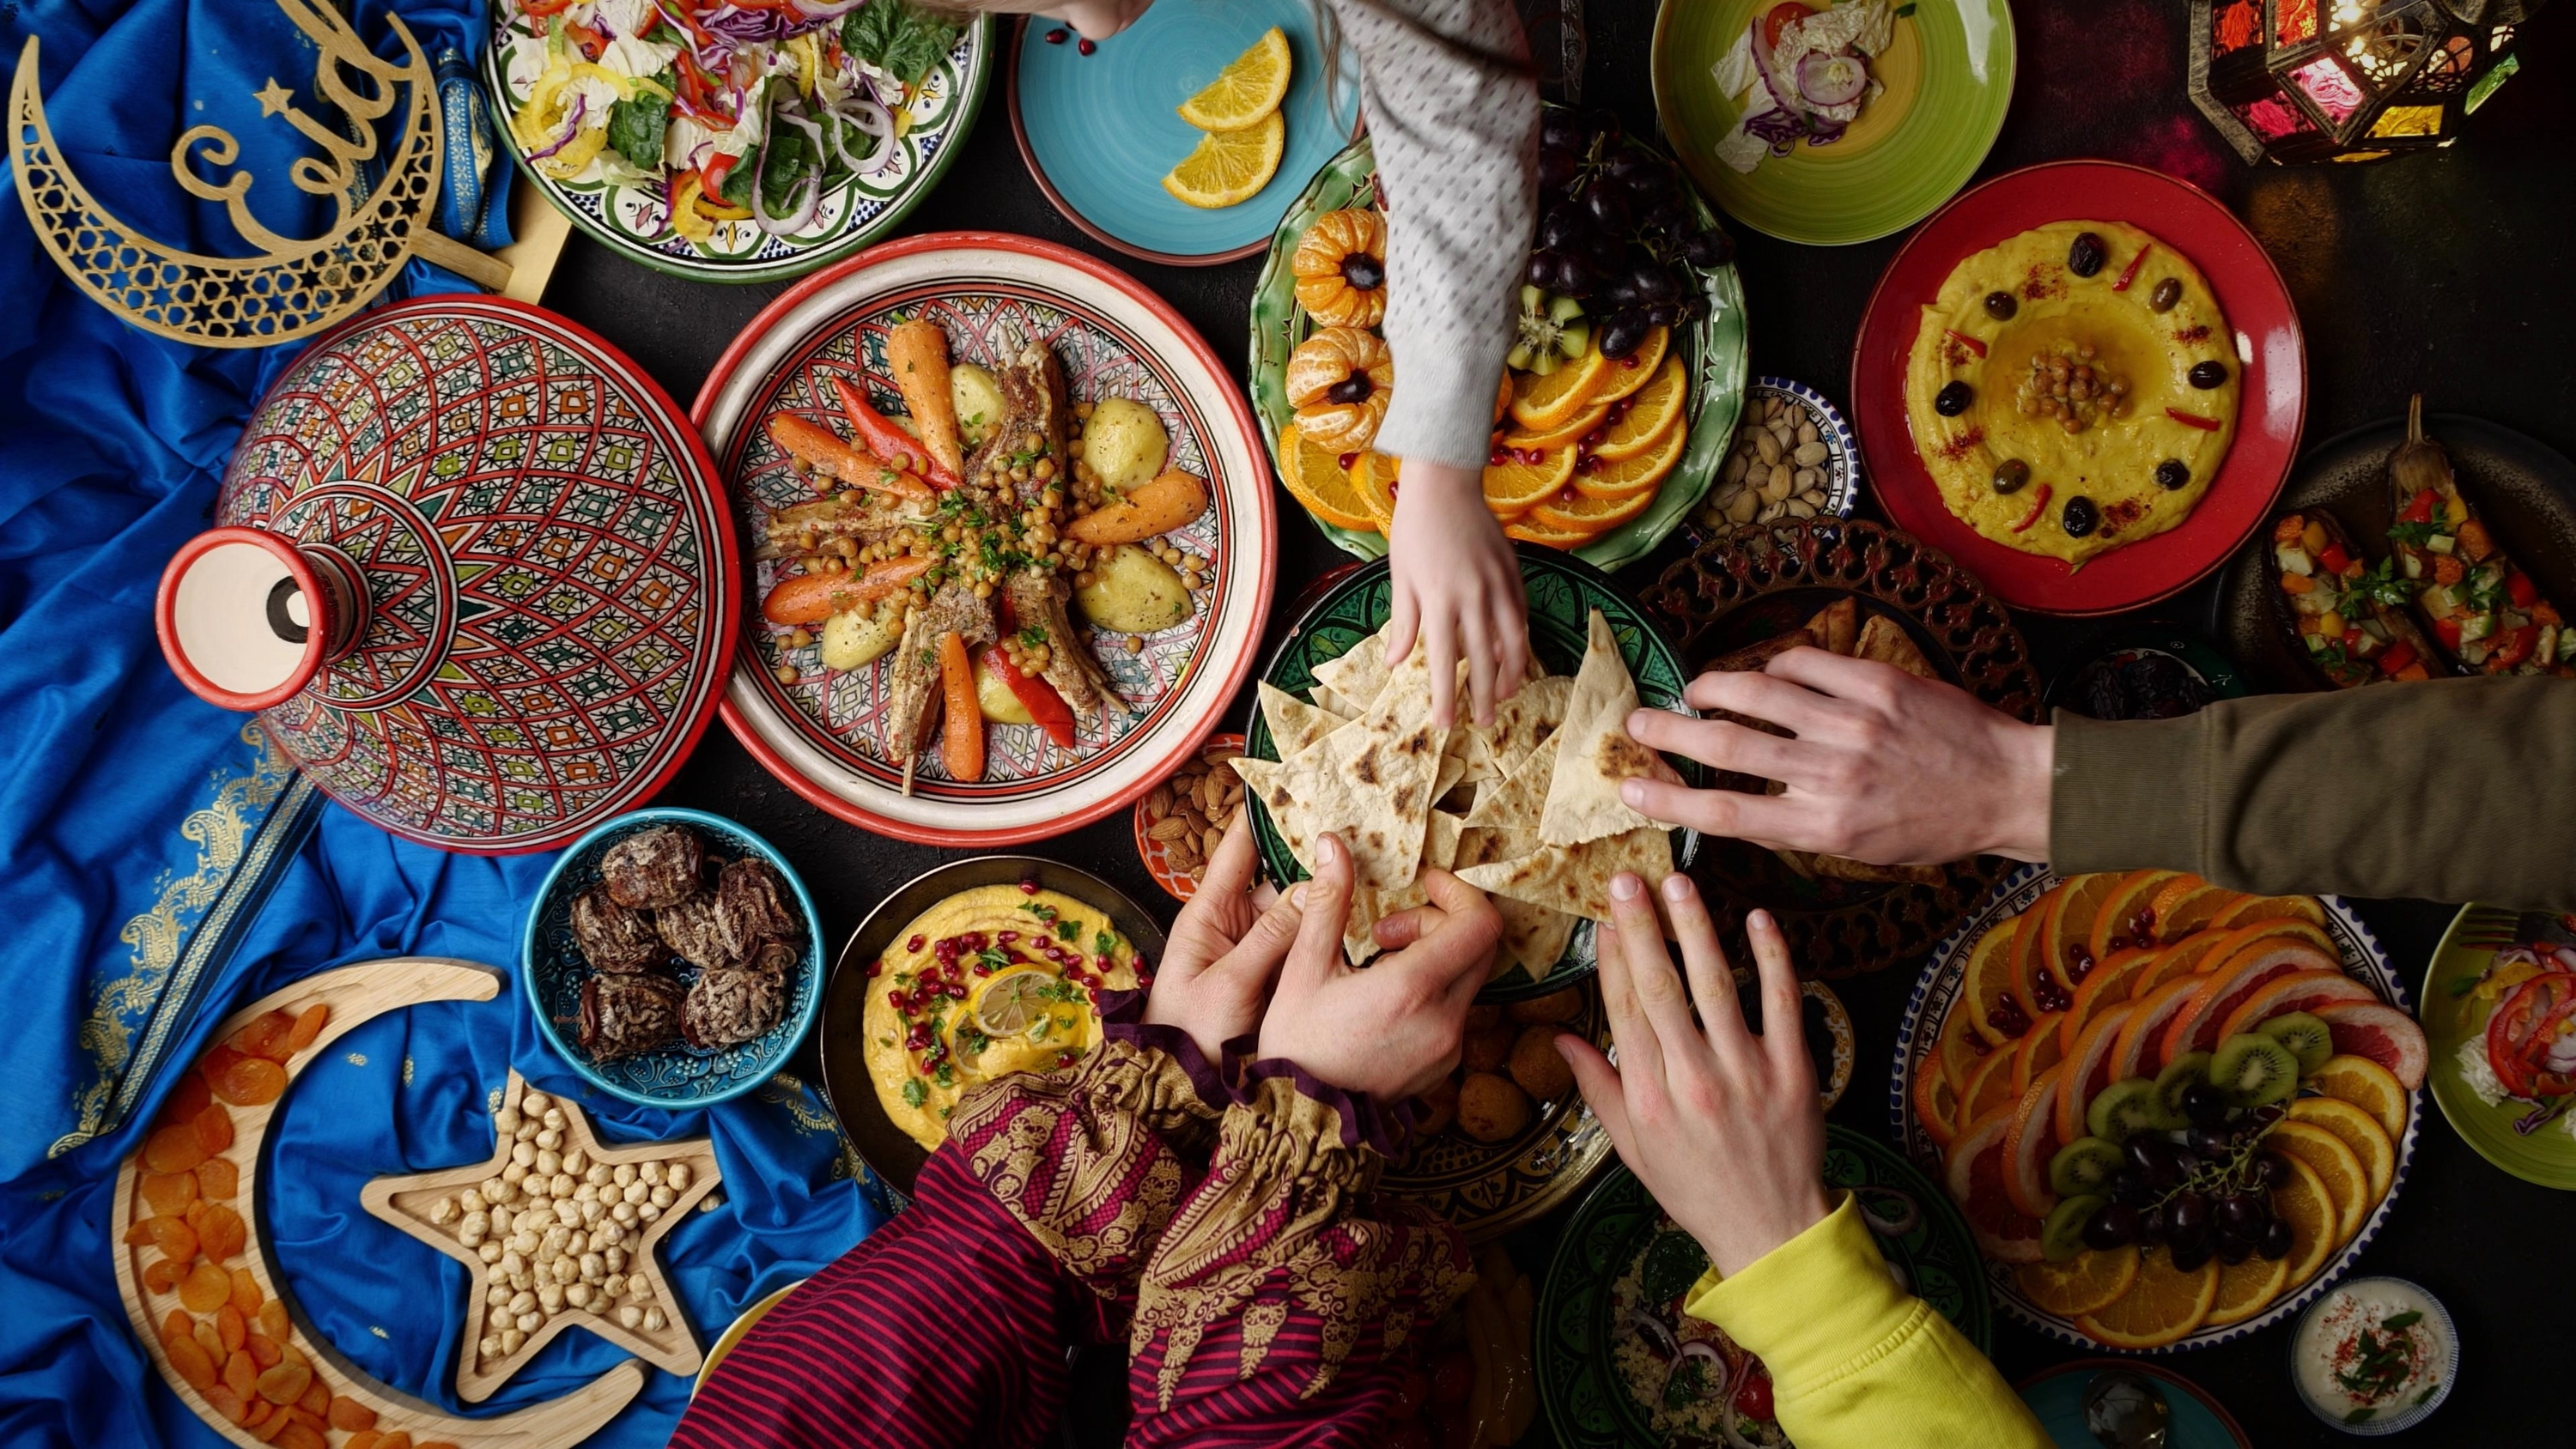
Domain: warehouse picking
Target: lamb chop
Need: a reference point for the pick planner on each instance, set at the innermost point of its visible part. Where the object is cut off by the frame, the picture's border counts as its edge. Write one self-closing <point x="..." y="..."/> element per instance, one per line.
<point x="954" y="609"/>
<point x="1037" y="600"/>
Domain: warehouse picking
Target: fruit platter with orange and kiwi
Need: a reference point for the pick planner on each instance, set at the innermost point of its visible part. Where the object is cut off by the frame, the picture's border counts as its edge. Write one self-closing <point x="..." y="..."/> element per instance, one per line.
<point x="2170" y="1111"/>
<point x="1624" y="377"/>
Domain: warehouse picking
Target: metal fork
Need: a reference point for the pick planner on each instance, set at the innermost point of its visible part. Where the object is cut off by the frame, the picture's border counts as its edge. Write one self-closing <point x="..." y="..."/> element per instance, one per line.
<point x="2486" y="928"/>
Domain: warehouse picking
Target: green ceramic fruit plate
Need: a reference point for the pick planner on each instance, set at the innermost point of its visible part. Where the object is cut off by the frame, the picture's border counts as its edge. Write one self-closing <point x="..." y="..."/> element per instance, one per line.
<point x="633" y="220"/>
<point x="1713" y="347"/>
<point x="2454" y="1011"/>
<point x="1619" y="1241"/>
<point x="1949" y="79"/>
<point x="1562" y="593"/>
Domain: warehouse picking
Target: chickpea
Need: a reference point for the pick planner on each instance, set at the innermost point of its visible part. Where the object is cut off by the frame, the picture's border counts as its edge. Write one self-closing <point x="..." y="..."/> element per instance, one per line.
<point x="983" y="591"/>
<point x="1044" y="469"/>
<point x="798" y="639"/>
<point x="1083" y="410"/>
<point x="1084" y="580"/>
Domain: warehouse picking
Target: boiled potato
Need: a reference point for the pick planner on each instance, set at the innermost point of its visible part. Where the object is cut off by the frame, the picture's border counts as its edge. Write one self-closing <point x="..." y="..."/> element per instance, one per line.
<point x="994" y="697"/>
<point x="1124" y="443"/>
<point x="857" y="638"/>
<point x="1133" y="592"/>
<point x="978" y="399"/>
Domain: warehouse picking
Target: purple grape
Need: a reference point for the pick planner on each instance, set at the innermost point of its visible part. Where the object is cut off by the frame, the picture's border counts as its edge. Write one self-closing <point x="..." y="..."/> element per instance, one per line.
<point x="1655" y="284"/>
<point x="2232" y="1249"/>
<point x="2188" y="1257"/>
<point x="1609" y="208"/>
<point x="1623" y="334"/>
<point x="1540" y="271"/>
<point x="1710" y="248"/>
<point x="1664" y="314"/>
<point x="2275" y="1241"/>
<point x="1565" y="226"/>
<point x="1557" y="169"/>
<point x="1574" y="274"/>
<point x="2112" y="1227"/>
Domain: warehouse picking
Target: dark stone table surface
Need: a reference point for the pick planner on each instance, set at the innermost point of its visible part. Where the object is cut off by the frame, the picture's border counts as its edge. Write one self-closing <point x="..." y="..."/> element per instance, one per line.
<point x="2447" y="273"/>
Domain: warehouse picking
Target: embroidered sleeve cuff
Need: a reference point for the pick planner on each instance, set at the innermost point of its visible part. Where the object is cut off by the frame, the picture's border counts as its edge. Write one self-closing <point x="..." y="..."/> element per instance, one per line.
<point x="1122" y="1019"/>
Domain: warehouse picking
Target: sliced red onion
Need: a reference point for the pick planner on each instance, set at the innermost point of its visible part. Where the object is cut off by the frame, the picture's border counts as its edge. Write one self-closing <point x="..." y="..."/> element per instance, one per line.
<point x="1734" y="1437"/>
<point x="572" y="128"/>
<point x="2517" y="955"/>
<point x="811" y="188"/>
<point x="1831" y="80"/>
<point x="1766" y="64"/>
<point x="1647" y="1327"/>
<point x="825" y="9"/>
<point x="876" y="121"/>
<point x="1719" y="1380"/>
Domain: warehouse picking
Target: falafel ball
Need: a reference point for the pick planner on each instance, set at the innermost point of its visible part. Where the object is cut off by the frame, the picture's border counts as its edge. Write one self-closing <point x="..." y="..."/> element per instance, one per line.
<point x="1486" y="1049"/>
<point x="1492" y="1108"/>
<point x="1563" y="1005"/>
<point x="1437" y="1107"/>
<point x="1538" y="1067"/>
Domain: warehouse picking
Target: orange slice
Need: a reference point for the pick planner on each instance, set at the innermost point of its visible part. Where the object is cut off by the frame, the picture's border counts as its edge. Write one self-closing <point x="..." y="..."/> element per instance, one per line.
<point x="1528" y="530"/>
<point x="1314" y="477"/>
<point x="2367" y="1085"/>
<point x="1653" y="411"/>
<point x="2247" y="1289"/>
<point x="1987" y="985"/>
<point x="1636" y="477"/>
<point x="2346" y="1183"/>
<point x="2088" y="1281"/>
<point x="1553" y="400"/>
<point x="2161" y="1307"/>
<point x="1629" y="373"/>
<point x="1372" y="477"/>
<point x="2250" y="909"/>
<point x="1571" y="431"/>
<point x="1588" y="514"/>
<point x="2186" y="903"/>
<point x="1512" y="489"/>
<point x="2359" y="1130"/>
<point x="2128" y="918"/>
<point x="1936" y="1102"/>
<point x="2310" y="1212"/>
<point x="2066" y="948"/>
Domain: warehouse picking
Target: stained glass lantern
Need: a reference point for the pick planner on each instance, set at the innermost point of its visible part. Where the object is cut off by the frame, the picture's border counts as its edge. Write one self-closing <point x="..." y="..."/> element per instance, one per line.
<point x="2295" y="81"/>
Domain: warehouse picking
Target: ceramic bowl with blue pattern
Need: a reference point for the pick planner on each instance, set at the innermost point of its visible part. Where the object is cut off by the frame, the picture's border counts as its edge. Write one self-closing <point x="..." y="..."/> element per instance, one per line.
<point x="552" y="970"/>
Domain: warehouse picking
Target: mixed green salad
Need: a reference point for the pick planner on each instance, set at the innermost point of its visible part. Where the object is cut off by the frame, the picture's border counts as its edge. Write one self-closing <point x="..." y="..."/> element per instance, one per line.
<point x="741" y="110"/>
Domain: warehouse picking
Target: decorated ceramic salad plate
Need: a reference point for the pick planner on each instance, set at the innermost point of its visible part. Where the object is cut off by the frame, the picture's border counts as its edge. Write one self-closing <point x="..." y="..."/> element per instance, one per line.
<point x="1013" y="539"/>
<point x="1624" y="380"/>
<point x="2502" y="1073"/>
<point x="734" y="143"/>
<point x="1621" y="1366"/>
<point x="474" y="572"/>
<point x="1551" y="949"/>
<point x="2173" y="1114"/>
<point x="1835" y="122"/>
<point x="1181" y="138"/>
<point x="2085" y="381"/>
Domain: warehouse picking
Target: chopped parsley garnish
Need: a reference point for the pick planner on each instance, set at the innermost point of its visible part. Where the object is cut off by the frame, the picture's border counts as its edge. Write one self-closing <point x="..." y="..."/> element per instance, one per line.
<point x="915" y="1092"/>
<point x="1103" y="944"/>
<point x="1068" y="929"/>
<point x="1063" y="991"/>
<point x="1033" y="637"/>
<point x="1039" y="909"/>
<point x="946" y="1076"/>
<point x="2416" y="534"/>
<point x="2382" y="586"/>
<point x="1045" y="1027"/>
<point x="972" y="1039"/>
<point x="992" y="956"/>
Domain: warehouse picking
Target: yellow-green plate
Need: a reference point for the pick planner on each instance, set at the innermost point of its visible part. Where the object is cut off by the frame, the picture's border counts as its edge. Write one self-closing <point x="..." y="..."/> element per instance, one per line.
<point x="1949" y="79"/>
<point x="2452" y="1013"/>
<point x="734" y="1332"/>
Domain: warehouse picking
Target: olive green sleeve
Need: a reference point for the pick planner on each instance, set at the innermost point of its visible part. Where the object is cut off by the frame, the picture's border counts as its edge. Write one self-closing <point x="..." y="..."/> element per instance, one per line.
<point x="2451" y="790"/>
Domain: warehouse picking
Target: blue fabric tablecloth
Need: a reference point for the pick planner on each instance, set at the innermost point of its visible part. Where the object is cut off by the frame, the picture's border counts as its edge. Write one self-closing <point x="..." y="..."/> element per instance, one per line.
<point x="161" y="864"/>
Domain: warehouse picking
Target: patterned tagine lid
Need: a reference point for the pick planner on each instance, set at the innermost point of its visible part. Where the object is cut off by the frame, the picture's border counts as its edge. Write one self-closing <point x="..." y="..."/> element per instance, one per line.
<point x="474" y="572"/>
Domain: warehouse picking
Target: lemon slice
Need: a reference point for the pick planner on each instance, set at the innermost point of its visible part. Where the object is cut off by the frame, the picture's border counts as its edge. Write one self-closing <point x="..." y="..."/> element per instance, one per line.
<point x="1009" y="1003"/>
<point x="1250" y="87"/>
<point x="1229" y="168"/>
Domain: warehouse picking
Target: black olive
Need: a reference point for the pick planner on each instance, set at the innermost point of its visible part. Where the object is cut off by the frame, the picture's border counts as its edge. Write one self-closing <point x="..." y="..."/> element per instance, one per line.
<point x="2172" y="473"/>
<point x="2010" y="475"/>
<point x="1352" y="389"/>
<point x="2167" y="292"/>
<point x="2206" y="375"/>
<point x="2001" y="306"/>
<point x="2087" y="255"/>
<point x="2079" y="517"/>
<point x="1952" y="399"/>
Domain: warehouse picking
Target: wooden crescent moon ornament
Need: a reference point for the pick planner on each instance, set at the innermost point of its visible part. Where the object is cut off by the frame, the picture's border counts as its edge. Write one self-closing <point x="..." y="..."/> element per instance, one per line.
<point x="195" y="1273"/>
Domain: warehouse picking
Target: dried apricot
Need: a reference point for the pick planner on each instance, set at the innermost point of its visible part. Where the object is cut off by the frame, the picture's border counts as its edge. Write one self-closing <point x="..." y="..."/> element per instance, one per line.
<point x="174" y="1148"/>
<point x="179" y="1243"/>
<point x="161" y="1275"/>
<point x="186" y="1099"/>
<point x="273" y="1321"/>
<point x="218" y="1060"/>
<point x="285" y="1383"/>
<point x="191" y="1363"/>
<point x="299" y="1435"/>
<point x="316" y="1400"/>
<point x="348" y="1413"/>
<point x="169" y="1192"/>
<point x="251" y="1082"/>
<point x="221" y="1234"/>
<point x="175" y="1327"/>
<point x="139" y="1231"/>
<point x="217" y="1177"/>
<point x="241" y="1375"/>
<point x="206" y="1288"/>
<point x="262" y="1349"/>
<point x="398" y="1439"/>
<point x="246" y="1294"/>
<point x="265" y="1036"/>
<point x="265" y="1422"/>
<point x="214" y="1128"/>
<point x="230" y="1328"/>
<point x="308" y="1025"/>
<point x="363" y="1439"/>
<point x="437" y="1444"/>
<point x="291" y="1354"/>
<point x="228" y="1401"/>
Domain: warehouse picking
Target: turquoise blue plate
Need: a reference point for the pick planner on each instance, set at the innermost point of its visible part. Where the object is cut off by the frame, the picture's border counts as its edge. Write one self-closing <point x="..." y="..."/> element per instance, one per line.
<point x="1100" y="131"/>
<point x="2056" y="1398"/>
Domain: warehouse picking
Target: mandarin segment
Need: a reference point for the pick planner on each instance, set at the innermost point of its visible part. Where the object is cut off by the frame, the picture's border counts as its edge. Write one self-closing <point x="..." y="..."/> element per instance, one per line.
<point x="308" y="1026"/>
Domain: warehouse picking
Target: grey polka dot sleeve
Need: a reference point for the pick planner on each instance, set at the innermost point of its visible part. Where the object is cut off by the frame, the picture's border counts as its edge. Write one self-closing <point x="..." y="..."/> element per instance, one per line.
<point x="1452" y="108"/>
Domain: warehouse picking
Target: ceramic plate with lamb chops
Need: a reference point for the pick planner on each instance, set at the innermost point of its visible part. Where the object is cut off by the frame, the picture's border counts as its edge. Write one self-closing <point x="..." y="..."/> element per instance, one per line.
<point x="1012" y="537"/>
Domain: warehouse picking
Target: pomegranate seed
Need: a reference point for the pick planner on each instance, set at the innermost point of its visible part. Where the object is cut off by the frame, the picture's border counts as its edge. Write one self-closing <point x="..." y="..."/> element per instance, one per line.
<point x="895" y="1000"/>
<point x="876" y="968"/>
<point x="1347" y="459"/>
<point x="1064" y="1059"/>
<point x="1007" y="937"/>
<point x="1496" y="458"/>
<point x="1055" y="36"/>
<point x="913" y="945"/>
<point x="1086" y="47"/>
<point x="1029" y="887"/>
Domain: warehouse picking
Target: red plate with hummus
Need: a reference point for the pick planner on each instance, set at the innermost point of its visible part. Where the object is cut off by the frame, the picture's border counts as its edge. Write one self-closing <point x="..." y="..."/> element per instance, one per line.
<point x="2194" y="401"/>
<point x="821" y="387"/>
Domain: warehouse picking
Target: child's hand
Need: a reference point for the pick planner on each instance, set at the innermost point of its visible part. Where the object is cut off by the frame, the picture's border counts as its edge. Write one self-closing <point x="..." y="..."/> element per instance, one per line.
<point x="1458" y="587"/>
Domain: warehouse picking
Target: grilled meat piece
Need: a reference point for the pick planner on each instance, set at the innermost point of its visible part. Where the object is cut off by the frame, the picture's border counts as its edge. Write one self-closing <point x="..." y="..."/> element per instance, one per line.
<point x="654" y="868"/>
<point x="751" y="907"/>
<point x="613" y="938"/>
<point x="915" y="681"/>
<point x="624" y="1015"/>
<point x="1037" y="600"/>
<point x="731" y="1006"/>
<point x="866" y="517"/>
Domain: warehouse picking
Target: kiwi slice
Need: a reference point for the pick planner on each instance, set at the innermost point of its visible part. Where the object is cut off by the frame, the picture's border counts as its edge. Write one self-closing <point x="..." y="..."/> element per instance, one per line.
<point x="2308" y="1039"/>
<point x="2084" y="1165"/>
<point x="2124" y="1107"/>
<point x="2183" y="1071"/>
<point x="2252" y="1070"/>
<point x="1549" y="330"/>
<point x="2061" y="1234"/>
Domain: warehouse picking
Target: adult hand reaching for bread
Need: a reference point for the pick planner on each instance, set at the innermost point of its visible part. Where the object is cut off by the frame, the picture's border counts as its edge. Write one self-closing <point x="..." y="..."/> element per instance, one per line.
<point x="1724" y="1127"/>
<point x="1882" y="766"/>
<point x="1393" y="1029"/>
<point x="1225" y="949"/>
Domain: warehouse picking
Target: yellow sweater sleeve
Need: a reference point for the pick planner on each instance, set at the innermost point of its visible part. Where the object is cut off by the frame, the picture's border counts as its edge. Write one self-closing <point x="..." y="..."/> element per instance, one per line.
<point x="1855" y="1361"/>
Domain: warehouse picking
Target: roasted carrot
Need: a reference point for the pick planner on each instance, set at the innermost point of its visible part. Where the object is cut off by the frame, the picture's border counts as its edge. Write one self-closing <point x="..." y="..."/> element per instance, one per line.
<point x="818" y="448"/>
<point x="812" y="598"/>
<point x="917" y="354"/>
<point x="961" y="738"/>
<point x="1170" y="500"/>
